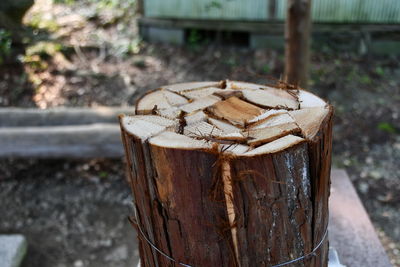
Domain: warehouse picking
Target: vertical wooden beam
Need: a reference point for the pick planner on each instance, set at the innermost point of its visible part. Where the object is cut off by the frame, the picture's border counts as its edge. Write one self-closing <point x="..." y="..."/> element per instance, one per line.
<point x="140" y="7"/>
<point x="297" y="42"/>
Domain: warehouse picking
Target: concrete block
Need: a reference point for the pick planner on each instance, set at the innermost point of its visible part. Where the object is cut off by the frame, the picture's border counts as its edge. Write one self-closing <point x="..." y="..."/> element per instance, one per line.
<point x="12" y="250"/>
<point x="267" y="41"/>
<point x="164" y="35"/>
<point x="351" y="232"/>
<point x="385" y="47"/>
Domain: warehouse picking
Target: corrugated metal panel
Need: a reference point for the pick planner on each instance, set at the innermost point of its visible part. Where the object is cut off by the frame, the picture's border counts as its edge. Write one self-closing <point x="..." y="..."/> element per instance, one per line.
<point x="339" y="11"/>
<point x="369" y="11"/>
<point x="206" y="9"/>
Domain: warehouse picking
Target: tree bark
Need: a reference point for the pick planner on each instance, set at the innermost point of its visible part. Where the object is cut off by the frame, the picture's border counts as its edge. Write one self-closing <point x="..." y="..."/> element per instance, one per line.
<point x="206" y="194"/>
<point x="297" y="42"/>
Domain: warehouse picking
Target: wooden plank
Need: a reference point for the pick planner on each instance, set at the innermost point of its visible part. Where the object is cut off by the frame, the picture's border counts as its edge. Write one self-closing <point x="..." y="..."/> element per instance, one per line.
<point x="17" y="117"/>
<point x="351" y="232"/>
<point x="79" y="141"/>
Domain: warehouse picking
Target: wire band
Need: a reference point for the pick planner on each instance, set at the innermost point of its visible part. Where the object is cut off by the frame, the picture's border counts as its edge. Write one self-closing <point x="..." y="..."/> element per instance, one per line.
<point x="311" y="254"/>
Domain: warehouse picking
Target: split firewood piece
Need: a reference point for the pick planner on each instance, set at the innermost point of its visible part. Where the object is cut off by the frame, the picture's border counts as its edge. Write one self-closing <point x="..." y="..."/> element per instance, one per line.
<point x="196" y="116"/>
<point x="159" y="120"/>
<point x="309" y="100"/>
<point x="227" y="93"/>
<point x="170" y="113"/>
<point x="202" y="130"/>
<point x="160" y="99"/>
<point x="276" y="119"/>
<point x="142" y="129"/>
<point x="236" y="85"/>
<point x="206" y="131"/>
<point x="266" y="115"/>
<point x="174" y="140"/>
<point x="179" y="87"/>
<point x="275" y="146"/>
<point x="224" y="126"/>
<point x="201" y="92"/>
<point x="200" y="103"/>
<point x="268" y="134"/>
<point x="309" y="119"/>
<point x="271" y="98"/>
<point x="235" y="110"/>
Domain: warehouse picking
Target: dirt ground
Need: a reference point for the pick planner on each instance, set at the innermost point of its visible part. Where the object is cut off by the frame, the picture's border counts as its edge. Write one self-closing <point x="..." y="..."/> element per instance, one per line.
<point x="74" y="212"/>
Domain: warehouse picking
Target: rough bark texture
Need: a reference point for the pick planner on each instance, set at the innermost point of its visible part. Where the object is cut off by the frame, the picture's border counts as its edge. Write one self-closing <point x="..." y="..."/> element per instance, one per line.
<point x="205" y="200"/>
<point x="273" y="191"/>
<point x="320" y="150"/>
<point x="297" y="42"/>
<point x="180" y="205"/>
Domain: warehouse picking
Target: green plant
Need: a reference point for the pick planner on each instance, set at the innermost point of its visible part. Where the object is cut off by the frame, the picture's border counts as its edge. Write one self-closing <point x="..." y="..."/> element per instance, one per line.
<point x="387" y="127"/>
<point x="5" y="44"/>
<point x="266" y="68"/>
<point x="365" y="79"/>
<point x="379" y="70"/>
<point x="194" y="38"/>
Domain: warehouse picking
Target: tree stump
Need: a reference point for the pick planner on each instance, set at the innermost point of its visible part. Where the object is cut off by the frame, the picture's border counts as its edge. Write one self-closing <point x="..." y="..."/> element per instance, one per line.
<point x="229" y="174"/>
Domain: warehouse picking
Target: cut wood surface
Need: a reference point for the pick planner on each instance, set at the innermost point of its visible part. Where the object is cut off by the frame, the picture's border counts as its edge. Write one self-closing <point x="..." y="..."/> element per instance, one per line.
<point x="229" y="174"/>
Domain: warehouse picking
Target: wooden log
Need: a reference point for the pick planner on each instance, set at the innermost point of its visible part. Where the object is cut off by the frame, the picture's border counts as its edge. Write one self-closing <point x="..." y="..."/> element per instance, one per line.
<point x="297" y="42"/>
<point x="230" y="182"/>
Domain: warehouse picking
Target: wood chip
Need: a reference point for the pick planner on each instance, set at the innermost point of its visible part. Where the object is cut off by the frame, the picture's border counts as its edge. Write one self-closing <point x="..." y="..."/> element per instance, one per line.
<point x="265" y="135"/>
<point x="309" y="119"/>
<point x="200" y="93"/>
<point x="179" y="87"/>
<point x="281" y="118"/>
<point x="224" y="126"/>
<point x="309" y="100"/>
<point x="170" y="113"/>
<point x="271" y="98"/>
<point x="200" y="103"/>
<point x="267" y="114"/>
<point x="174" y="140"/>
<point x="162" y="99"/>
<point x="195" y="117"/>
<point x="202" y="130"/>
<point x="275" y="146"/>
<point x="141" y="128"/>
<point x="235" y="110"/>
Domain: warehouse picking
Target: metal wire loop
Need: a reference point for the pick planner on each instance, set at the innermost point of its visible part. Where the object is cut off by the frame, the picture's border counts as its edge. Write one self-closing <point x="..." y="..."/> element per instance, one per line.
<point x="311" y="254"/>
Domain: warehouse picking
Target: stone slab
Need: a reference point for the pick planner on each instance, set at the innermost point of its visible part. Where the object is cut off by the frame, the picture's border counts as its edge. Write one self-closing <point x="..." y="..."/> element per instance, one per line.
<point x="351" y="232"/>
<point x="12" y="250"/>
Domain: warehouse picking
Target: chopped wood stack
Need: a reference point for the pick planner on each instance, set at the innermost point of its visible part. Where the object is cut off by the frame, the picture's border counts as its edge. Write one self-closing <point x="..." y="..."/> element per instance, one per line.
<point x="229" y="174"/>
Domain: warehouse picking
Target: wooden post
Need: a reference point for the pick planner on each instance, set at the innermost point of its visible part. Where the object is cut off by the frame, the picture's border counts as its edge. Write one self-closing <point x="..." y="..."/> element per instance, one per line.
<point x="229" y="174"/>
<point x="140" y="7"/>
<point x="297" y="42"/>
